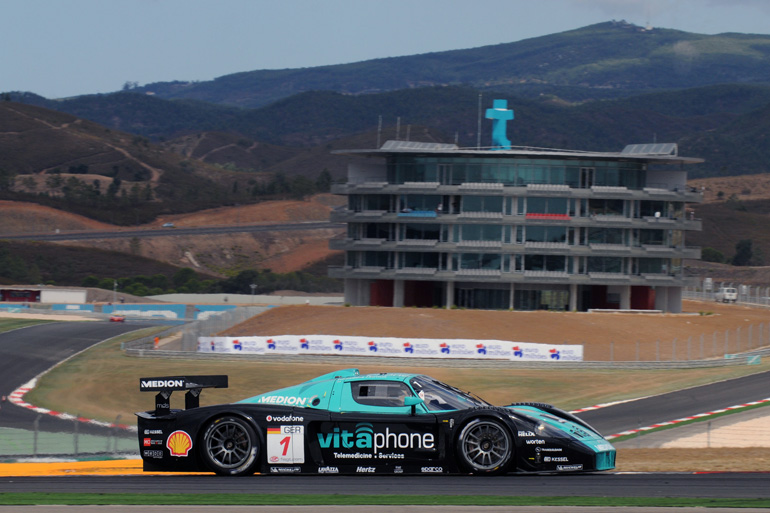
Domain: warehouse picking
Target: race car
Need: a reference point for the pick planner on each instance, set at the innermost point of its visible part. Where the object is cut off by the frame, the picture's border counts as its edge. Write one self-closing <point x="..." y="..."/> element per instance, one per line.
<point x="347" y="423"/>
<point x="117" y="318"/>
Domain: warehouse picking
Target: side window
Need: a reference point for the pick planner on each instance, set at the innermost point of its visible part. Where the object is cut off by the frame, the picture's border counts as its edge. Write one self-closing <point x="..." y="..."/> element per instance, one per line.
<point x="380" y="393"/>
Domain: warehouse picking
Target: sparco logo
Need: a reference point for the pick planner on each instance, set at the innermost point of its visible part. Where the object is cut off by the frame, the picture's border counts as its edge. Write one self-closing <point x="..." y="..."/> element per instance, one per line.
<point x="364" y="437"/>
<point x="365" y="470"/>
<point x="432" y="470"/>
<point x="328" y="470"/>
<point x="284" y="418"/>
<point x="162" y="383"/>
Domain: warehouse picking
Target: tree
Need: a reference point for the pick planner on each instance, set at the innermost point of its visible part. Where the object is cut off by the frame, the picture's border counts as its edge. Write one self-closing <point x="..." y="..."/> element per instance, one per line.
<point x="324" y="181"/>
<point x="7" y="178"/>
<point x="743" y="253"/>
<point x="182" y="276"/>
<point x="90" y="281"/>
<point x="712" y="255"/>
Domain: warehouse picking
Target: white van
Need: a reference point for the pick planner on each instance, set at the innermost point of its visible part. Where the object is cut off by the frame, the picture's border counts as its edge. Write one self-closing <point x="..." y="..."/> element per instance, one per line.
<point x="726" y="295"/>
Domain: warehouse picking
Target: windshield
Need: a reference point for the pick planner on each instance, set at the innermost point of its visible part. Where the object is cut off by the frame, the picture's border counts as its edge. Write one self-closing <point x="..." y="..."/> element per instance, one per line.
<point x="440" y="396"/>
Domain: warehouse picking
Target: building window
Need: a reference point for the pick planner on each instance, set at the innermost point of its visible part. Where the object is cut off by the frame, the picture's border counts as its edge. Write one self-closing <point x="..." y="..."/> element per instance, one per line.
<point x="546" y="205"/>
<point x="606" y="207"/>
<point x="415" y="231"/>
<point x="420" y="260"/>
<point x="605" y="236"/>
<point x="488" y="299"/>
<point x="652" y="237"/>
<point x="603" y="264"/>
<point x="489" y="261"/>
<point x="482" y="204"/>
<point x="481" y="232"/>
<point x="653" y="265"/>
<point x="554" y="263"/>
<point x="546" y="233"/>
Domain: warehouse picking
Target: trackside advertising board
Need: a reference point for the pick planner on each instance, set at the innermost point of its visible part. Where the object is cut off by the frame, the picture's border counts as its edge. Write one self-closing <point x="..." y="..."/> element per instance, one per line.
<point x="396" y="347"/>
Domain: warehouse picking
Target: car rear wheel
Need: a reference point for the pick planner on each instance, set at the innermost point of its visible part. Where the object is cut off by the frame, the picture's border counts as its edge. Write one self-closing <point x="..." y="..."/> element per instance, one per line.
<point x="485" y="447"/>
<point x="230" y="447"/>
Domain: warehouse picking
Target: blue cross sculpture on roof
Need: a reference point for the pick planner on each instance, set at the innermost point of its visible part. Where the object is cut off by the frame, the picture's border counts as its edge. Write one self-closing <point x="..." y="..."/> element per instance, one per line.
<point x="499" y="114"/>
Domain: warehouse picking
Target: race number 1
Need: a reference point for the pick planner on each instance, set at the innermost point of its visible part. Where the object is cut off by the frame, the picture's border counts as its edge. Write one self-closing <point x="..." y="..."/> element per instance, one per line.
<point x="286" y="444"/>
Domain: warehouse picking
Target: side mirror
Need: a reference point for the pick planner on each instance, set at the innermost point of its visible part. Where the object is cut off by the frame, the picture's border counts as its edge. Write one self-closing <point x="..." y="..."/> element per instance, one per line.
<point x="413" y="401"/>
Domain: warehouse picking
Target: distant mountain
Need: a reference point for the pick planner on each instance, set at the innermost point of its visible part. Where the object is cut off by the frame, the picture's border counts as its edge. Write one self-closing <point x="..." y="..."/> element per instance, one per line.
<point x="596" y="88"/>
<point x="725" y="124"/>
<point x="598" y="61"/>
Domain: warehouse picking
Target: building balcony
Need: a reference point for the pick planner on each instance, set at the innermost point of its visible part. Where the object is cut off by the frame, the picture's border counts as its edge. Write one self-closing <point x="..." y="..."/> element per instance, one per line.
<point x="662" y="192"/>
<point x="499" y="276"/>
<point x="534" y="219"/>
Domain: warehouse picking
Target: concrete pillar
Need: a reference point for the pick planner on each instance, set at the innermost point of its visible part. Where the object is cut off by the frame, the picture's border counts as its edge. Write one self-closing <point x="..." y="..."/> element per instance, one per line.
<point x="511" y="297"/>
<point x="675" y="300"/>
<point x="625" y="297"/>
<point x="573" y="297"/>
<point x="351" y="291"/>
<point x="661" y="299"/>
<point x="449" y="287"/>
<point x="398" y="293"/>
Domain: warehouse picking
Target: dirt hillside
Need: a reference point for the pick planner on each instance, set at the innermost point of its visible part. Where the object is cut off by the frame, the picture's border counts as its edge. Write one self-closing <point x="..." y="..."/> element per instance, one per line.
<point x="605" y="335"/>
<point x="216" y="254"/>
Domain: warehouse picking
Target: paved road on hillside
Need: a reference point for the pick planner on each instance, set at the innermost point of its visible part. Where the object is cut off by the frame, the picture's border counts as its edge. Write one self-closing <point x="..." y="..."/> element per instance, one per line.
<point x="675" y="405"/>
<point x="172" y="232"/>
<point x="27" y="352"/>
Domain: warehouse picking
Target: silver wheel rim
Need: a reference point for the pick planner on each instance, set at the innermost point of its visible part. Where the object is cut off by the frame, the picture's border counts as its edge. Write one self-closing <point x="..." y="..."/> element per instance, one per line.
<point x="486" y="445"/>
<point x="229" y="444"/>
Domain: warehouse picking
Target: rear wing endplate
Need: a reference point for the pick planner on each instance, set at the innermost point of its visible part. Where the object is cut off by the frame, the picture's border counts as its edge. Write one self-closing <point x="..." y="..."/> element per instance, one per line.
<point x="167" y="384"/>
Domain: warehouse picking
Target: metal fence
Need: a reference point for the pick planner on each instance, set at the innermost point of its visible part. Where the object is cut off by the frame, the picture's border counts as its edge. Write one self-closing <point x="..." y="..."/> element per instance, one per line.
<point x="733" y="347"/>
<point x="79" y="441"/>
<point x="706" y="290"/>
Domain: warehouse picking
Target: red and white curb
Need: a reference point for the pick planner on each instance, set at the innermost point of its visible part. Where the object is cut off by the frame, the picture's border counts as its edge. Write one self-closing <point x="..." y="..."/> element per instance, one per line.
<point x="685" y="419"/>
<point x="17" y="397"/>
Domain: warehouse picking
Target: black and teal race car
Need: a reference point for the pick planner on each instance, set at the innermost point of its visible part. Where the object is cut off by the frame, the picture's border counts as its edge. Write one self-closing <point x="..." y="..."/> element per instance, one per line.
<point x="348" y="423"/>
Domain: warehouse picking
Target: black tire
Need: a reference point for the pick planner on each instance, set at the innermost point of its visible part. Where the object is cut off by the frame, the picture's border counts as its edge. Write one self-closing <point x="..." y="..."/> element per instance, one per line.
<point x="230" y="447"/>
<point x="485" y="446"/>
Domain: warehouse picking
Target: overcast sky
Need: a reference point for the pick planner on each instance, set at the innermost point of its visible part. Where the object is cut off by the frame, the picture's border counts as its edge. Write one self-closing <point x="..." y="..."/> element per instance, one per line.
<point x="61" y="48"/>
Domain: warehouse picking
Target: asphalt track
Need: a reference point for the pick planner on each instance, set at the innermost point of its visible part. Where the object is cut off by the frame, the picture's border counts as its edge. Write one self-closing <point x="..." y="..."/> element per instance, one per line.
<point x="710" y="485"/>
<point x="675" y="405"/>
<point x="27" y="352"/>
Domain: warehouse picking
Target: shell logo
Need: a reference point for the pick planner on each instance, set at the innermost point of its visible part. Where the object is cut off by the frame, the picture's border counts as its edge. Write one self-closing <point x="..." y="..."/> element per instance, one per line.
<point x="179" y="443"/>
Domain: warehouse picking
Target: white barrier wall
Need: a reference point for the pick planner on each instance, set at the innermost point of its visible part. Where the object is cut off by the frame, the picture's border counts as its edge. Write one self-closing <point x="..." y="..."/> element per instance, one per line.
<point x="397" y="347"/>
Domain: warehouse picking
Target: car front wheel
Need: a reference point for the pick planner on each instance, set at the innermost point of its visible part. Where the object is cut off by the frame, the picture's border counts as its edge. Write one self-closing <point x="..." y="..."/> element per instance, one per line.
<point x="230" y="447"/>
<point x="485" y="447"/>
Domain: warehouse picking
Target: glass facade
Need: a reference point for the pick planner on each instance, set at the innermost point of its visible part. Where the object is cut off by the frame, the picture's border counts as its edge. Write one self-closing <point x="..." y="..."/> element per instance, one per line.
<point x="522" y="227"/>
<point x="515" y="171"/>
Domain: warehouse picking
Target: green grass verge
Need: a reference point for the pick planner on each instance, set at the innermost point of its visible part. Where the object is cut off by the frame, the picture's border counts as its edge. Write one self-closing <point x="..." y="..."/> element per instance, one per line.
<point x="13" y="324"/>
<point x="688" y="422"/>
<point x="25" y="499"/>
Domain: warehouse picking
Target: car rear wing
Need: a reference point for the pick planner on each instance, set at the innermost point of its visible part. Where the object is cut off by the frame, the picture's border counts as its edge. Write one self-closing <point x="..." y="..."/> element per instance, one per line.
<point x="168" y="384"/>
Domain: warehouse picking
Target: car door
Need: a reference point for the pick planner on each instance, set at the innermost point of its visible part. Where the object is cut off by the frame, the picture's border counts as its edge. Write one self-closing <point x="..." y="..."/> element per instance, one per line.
<point x="374" y="431"/>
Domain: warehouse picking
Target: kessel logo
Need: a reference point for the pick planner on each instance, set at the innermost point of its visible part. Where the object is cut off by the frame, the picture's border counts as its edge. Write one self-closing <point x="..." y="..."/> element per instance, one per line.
<point x="285" y="470"/>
